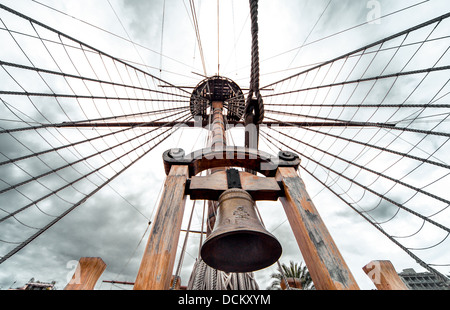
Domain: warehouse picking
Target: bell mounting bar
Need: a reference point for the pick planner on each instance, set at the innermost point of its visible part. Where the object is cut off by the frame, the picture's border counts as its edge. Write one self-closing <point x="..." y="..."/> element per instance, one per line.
<point x="230" y="156"/>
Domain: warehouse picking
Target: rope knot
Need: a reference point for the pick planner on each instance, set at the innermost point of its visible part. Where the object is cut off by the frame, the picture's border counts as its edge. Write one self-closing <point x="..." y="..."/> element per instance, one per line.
<point x="254" y="110"/>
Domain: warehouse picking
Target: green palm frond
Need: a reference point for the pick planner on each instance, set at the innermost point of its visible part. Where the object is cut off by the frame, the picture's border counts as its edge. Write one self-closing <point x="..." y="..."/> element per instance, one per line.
<point x="293" y="270"/>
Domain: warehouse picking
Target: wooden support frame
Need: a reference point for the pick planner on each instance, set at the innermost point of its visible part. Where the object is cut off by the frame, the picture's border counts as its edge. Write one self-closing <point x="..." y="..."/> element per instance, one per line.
<point x="384" y="277"/>
<point x="324" y="261"/>
<point x="155" y="272"/>
<point x="230" y="156"/>
<point x="86" y="275"/>
<point x="210" y="187"/>
<point x="326" y="265"/>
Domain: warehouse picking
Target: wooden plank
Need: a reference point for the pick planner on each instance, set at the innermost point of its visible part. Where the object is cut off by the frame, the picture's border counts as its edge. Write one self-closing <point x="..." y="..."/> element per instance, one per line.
<point x="87" y="273"/>
<point x="210" y="187"/>
<point x="262" y="188"/>
<point x="325" y="263"/>
<point x="383" y="275"/>
<point x="231" y="156"/>
<point x="156" y="267"/>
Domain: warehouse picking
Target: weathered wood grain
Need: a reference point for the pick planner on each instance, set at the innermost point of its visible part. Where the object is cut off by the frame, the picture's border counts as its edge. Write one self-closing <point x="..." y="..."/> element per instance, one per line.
<point x="86" y="275"/>
<point x="156" y="267"/>
<point x="210" y="187"/>
<point x="325" y="263"/>
<point x="383" y="275"/>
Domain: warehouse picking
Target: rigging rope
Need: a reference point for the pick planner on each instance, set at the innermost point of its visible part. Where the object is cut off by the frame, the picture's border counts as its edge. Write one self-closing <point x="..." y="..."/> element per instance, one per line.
<point x="197" y="34"/>
<point x="271" y="140"/>
<point x="162" y="35"/>
<point x="59" y="33"/>
<point x="98" y="77"/>
<point x="84" y="199"/>
<point x="86" y="175"/>
<point x="254" y="109"/>
<point x="183" y="249"/>
<point x="343" y="31"/>
<point x="320" y="95"/>
<point x="411" y="143"/>
<point x="365" y="48"/>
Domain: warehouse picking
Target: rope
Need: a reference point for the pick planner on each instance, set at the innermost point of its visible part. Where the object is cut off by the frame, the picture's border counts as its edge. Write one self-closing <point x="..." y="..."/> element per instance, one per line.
<point x="447" y="229"/>
<point x="84" y="45"/>
<point x="81" y="178"/>
<point x="84" y="78"/>
<point x="197" y="34"/>
<point x="80" y="202"/>
<point x="204" y="277"/>
<point x="180" y="262"/>
<point x="271" y="140"/>
<point x="162" y="36"/>
<point x="254" y="108"/>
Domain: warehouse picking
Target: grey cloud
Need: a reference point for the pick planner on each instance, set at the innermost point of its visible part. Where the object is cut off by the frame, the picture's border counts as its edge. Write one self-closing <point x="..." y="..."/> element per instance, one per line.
<point x="145" y="19"/>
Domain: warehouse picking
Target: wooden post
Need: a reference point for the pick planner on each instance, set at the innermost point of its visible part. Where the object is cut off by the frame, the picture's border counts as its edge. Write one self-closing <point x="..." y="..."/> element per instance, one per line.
<point x="383" y="275"/>
<point x="157" y="263"/>
<point x="325" y="263"/>
<point x="87" y="273"/>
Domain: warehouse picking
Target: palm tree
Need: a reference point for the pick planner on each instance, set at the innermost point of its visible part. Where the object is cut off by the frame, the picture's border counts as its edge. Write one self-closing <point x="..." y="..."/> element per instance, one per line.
<point x="294" y="270"/>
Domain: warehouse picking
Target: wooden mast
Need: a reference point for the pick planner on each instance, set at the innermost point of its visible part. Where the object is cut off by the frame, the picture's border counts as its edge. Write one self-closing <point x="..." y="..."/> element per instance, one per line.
<point x="218" y="141"/>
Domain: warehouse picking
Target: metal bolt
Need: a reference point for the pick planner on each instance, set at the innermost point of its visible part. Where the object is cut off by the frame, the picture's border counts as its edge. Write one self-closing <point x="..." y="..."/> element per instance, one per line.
<point x="176" y="153"/>
<point x="288" y="156"/>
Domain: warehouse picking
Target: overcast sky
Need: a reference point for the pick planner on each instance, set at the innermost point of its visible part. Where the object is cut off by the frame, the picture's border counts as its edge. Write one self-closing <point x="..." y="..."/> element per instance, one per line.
<point x="113" y="224"/>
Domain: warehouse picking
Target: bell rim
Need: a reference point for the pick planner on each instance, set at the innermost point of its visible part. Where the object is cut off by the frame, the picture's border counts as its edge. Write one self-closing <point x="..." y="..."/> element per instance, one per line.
<point x="275" y="245"/>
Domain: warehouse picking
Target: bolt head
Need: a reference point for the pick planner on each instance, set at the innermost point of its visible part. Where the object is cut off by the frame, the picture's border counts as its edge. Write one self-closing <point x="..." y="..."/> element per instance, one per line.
<point x="176" y="153"/>
<point x="286" y="155"/>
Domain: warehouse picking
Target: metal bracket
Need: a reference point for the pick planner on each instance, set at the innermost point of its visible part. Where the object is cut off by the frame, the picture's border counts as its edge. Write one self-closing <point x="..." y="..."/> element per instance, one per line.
<point x="233" y="178"/>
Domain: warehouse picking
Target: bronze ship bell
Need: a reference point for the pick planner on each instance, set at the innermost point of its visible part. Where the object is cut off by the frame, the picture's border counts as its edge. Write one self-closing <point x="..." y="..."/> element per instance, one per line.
<point x="239" y="242"/>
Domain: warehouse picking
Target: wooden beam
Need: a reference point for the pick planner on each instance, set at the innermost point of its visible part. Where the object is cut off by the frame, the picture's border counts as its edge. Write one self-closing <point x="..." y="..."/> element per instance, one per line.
<point x="231" y="156"/>
<point x="325" y="263"/>
<point x="87" y="273"/>
<point x="156" y="267"/>
<point x="383" y="275"/>
<point x="210" y="187"/>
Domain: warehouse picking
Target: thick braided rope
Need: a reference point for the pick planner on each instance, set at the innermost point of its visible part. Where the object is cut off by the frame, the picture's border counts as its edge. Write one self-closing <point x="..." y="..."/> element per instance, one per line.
<point x="251" y="107"/>
<point x="204" y="277"/>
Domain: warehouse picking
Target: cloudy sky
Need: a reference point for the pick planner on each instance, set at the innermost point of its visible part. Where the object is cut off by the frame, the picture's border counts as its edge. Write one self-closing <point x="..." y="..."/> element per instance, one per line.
<point x="158" y="37"/>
